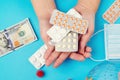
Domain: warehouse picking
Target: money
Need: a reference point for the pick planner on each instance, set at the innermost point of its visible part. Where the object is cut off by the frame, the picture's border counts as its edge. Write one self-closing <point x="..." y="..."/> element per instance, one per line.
<point x="16" y="36"/>
<point x="4" y="45"/>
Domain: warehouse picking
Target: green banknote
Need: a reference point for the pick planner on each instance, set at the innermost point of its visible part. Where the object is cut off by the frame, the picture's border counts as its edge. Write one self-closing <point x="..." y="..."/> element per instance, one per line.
<point x="16" y="36"/>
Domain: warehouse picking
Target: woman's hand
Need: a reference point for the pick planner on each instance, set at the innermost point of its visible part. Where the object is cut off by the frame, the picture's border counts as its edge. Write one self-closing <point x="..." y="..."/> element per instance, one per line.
<point x="43" y="10"/>
<point x="87" y="8"/>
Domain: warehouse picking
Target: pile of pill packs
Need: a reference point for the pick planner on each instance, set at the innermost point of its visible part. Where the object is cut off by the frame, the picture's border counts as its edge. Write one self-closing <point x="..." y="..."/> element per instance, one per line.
<point x="64" y="34"/>
<point x="65" y="30"/>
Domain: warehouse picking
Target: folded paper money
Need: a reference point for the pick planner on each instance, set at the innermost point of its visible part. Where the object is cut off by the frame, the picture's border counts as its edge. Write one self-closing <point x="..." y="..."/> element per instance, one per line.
<point x="16" y="36"/>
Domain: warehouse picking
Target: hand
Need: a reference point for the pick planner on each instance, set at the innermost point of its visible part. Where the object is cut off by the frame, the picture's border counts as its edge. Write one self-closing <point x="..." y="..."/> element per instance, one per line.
<point x="43" y="9"/>
<point x="84" y="51"/>
<point x="87" y="14"/>
<point x="51" y="55"/>
<point x="58" y="57"/>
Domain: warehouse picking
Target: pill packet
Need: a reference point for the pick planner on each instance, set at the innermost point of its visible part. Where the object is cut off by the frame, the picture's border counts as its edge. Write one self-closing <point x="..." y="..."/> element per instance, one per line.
<point x="112" y="13"/>
<point x="37" y="59"/>
<point x="68" y="44"/>
<point x="57" y="33"/>
<point x="69" y="22"/>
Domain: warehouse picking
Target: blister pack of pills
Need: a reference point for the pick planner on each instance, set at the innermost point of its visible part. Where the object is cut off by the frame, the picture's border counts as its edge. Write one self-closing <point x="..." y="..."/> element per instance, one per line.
<point x="74" y="13"/>
<point x="37" y="59"/>
<point x="69" y="22"/>
<point x="113" y="13"/>
<point x="57" y="33"/>
<point x="68" y="44"/>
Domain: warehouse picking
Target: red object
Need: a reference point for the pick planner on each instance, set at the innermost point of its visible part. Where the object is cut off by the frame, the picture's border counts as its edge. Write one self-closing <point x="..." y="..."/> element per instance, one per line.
<point x="40" y="73"/>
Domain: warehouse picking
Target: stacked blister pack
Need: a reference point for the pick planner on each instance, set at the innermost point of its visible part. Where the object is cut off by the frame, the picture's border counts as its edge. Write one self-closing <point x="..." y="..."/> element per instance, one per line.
<point x="65" y="30"/>
<point x="16" y="36"/>
<point x="113" y="13"/>
<point x="64" y="34"/>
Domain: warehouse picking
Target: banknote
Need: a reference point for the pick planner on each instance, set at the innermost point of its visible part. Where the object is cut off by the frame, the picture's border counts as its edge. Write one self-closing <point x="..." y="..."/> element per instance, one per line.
<point x="4" y="45"/>
<point x="16" y="36"/>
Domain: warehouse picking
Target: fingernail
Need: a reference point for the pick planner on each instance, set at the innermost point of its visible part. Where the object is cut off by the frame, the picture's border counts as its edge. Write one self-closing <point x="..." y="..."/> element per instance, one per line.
<point x="90" y="55"/>
<point x="90" y="49"/>
<point x="47" y="63"/>
<point x="82" y="59"/>
<point x="55" y="66"/>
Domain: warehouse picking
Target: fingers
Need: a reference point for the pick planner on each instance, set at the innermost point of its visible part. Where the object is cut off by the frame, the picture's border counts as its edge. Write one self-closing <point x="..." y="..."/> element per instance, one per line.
<point x="86" y="55"/>
<point x="53" y="56"/>
<point x="44" y="35"/>
<point x="87" y="52"/>
<point x="88" y="49"/>
<point x="85" y="38"/>
<point x="61" y="59"/>
<point x="50" y="48"/>
<point x="48" y="51"/>
<point x="44" y="28"/>
<point x="83" y="41"/>
<point x="77" y="57"/>
<point x="81" y="57"/>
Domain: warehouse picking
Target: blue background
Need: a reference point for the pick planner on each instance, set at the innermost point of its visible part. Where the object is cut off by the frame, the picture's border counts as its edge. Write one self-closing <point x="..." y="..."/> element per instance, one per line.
<point x="16" y="66"/>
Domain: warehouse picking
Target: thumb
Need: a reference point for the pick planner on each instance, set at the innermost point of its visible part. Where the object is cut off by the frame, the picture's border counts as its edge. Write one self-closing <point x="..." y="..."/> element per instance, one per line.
<point x="50" y="48"/>
<point x="46" y="40"/>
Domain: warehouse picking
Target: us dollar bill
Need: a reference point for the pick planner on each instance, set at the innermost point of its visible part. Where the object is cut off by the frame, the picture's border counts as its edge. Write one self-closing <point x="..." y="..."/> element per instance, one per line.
<point x="16" y="36"/>
<point x="4" y="45"/>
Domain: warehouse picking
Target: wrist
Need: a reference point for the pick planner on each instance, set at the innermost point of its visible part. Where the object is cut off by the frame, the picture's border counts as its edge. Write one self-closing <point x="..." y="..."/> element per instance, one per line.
<point x="88" y="5"/>
<point x="44" y="23"/>
<point x="45" y="16"/>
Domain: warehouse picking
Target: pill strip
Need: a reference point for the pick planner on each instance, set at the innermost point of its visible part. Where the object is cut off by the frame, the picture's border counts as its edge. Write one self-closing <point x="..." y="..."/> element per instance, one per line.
<point x="68" y="44"/>
<point x="69" y="22"/>
<point x="113" y="13"/>
<point x="37" y="59"/>
<point x="57" y="33"/>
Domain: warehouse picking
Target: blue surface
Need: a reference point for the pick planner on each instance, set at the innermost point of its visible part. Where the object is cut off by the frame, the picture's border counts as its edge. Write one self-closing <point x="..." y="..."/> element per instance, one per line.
<point x="16" y="66"/>
<point x="107" y="70"/>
